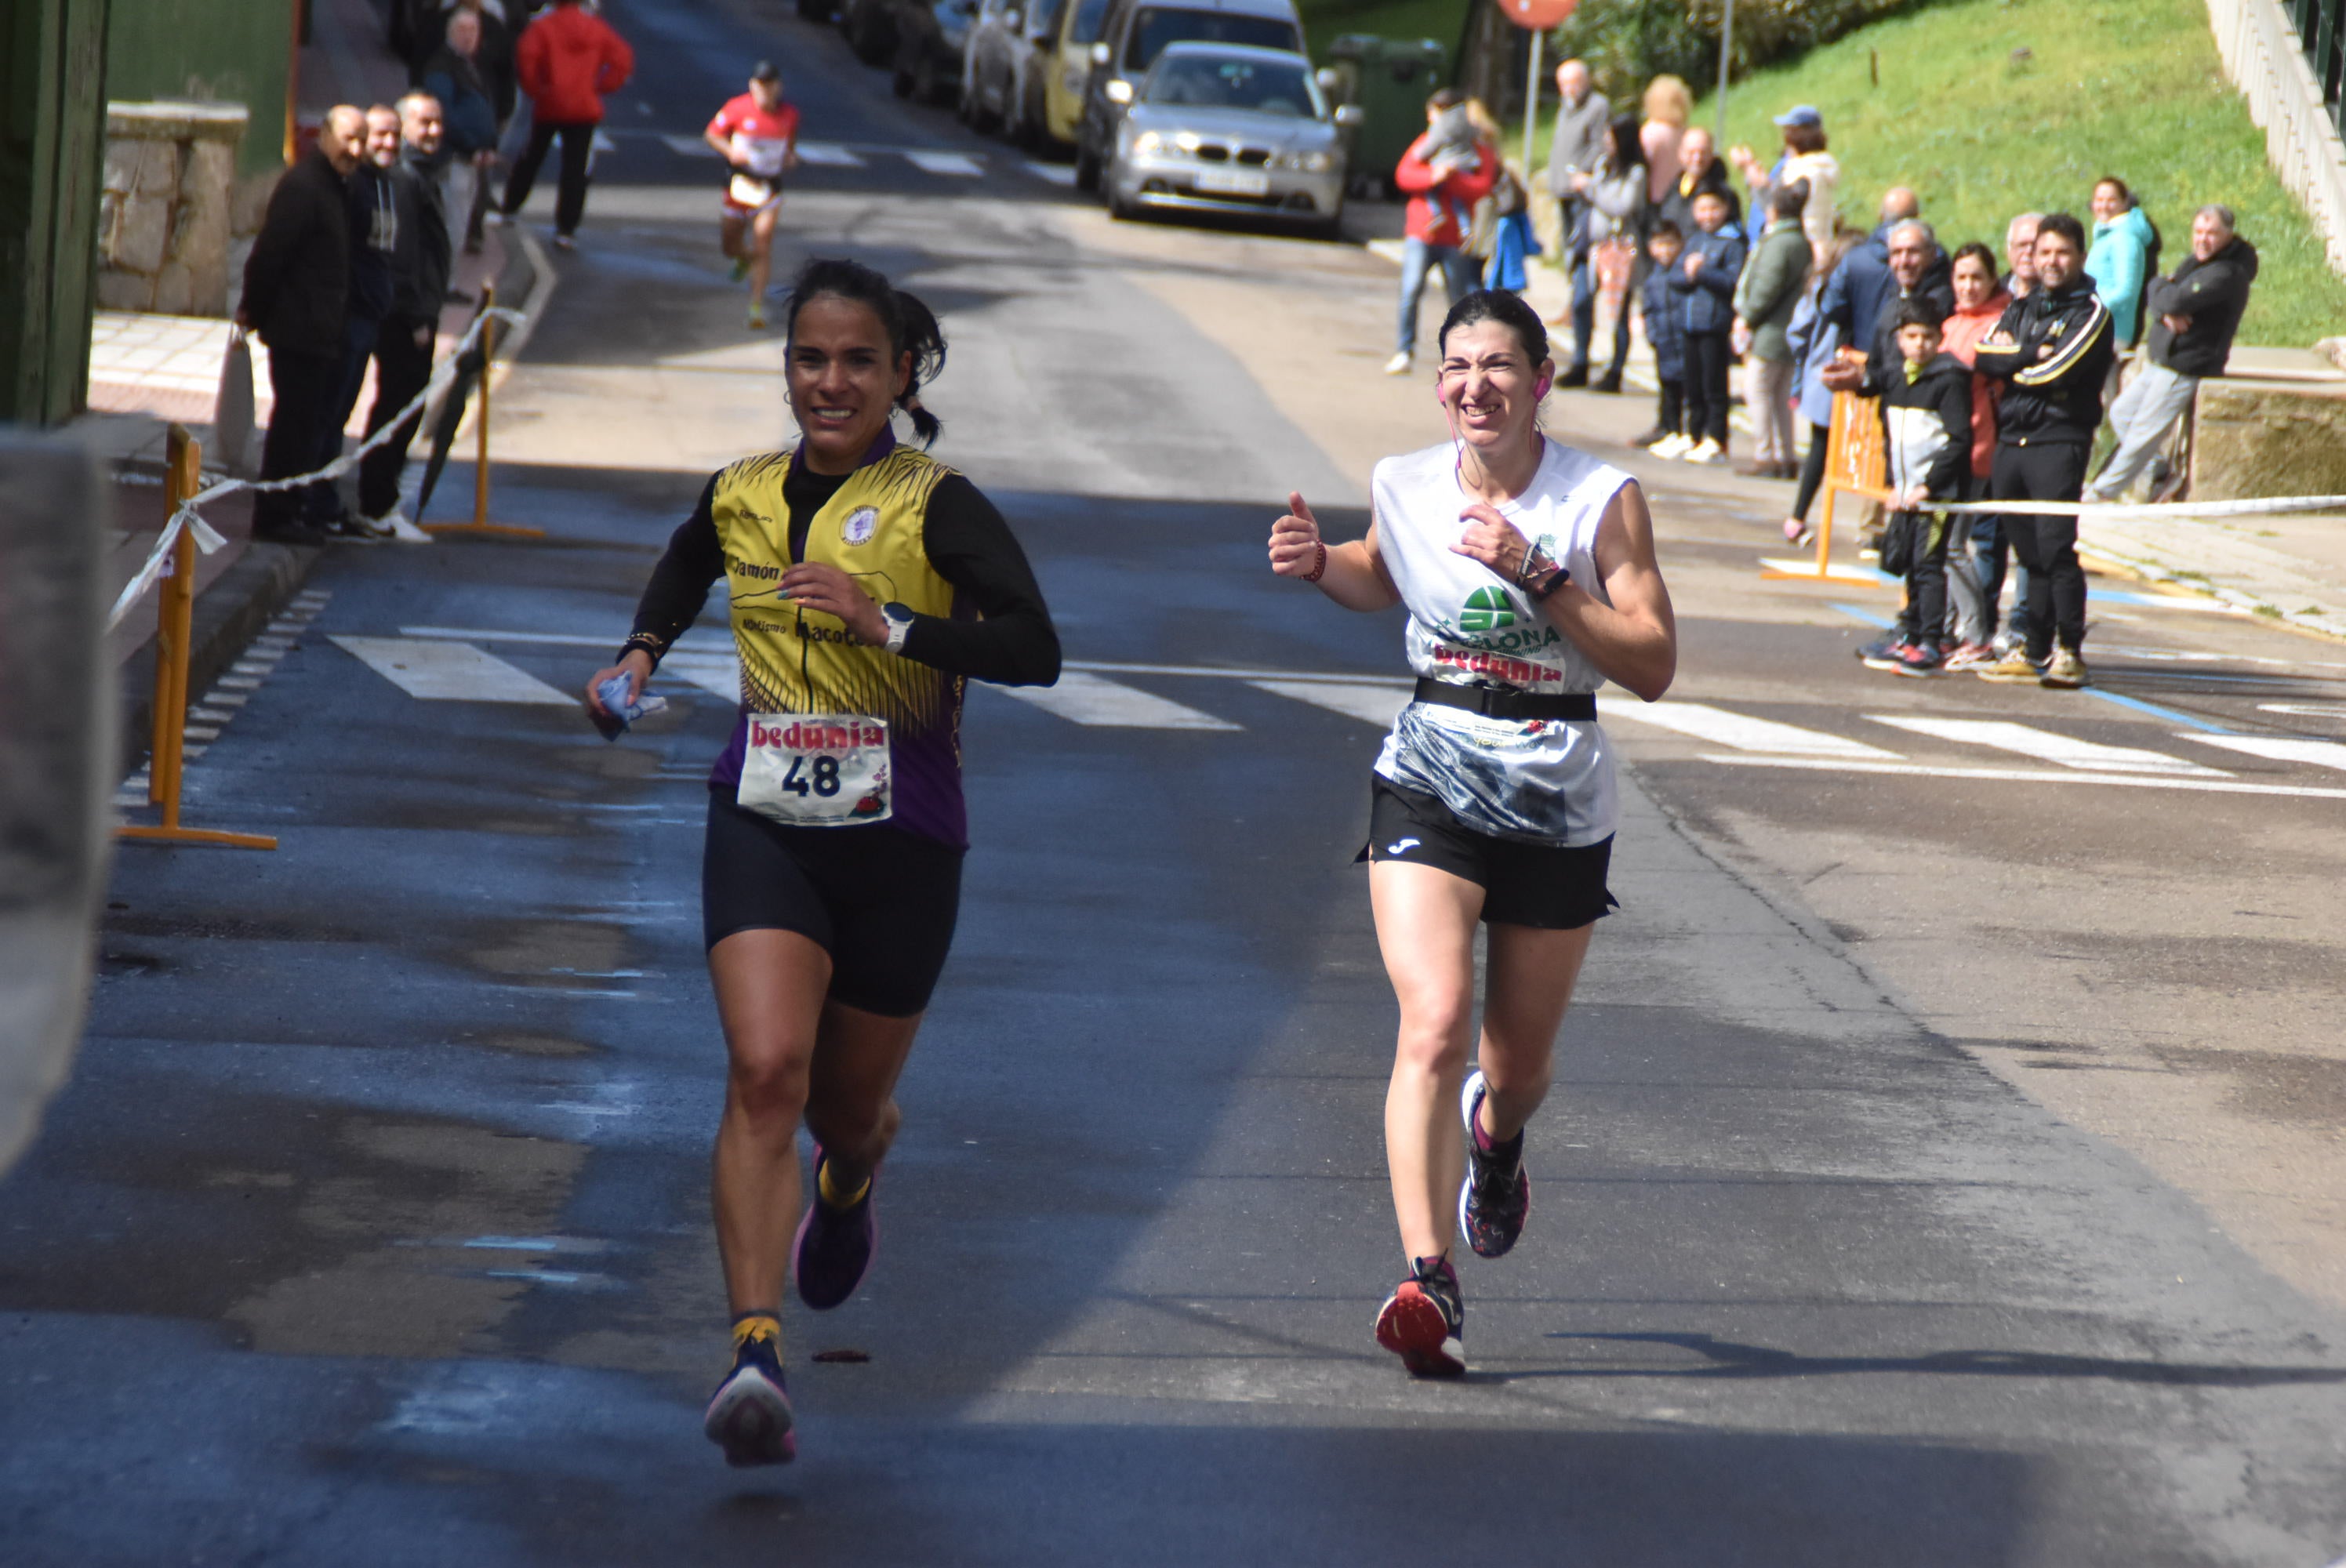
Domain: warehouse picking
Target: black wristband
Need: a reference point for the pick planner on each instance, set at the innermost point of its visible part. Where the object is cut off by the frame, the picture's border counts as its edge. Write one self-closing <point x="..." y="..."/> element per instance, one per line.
<point x="1541" y="595"/>
<point x="645" y="641"/>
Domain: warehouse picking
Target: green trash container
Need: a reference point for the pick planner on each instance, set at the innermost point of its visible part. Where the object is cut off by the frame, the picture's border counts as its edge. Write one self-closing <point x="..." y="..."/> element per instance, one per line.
<point x="1388" y="79"/>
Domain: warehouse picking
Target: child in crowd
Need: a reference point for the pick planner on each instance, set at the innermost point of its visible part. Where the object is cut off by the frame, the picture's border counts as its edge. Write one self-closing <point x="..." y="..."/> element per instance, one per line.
<point x="1668" y="438"/>
<point x="1704" y="281"/>
<point x="1927" y="414"/>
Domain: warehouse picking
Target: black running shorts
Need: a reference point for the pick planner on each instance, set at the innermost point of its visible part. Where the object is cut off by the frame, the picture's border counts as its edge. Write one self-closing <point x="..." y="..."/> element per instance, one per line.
<point x="1543" y="885"/>
<point x="880" y="901"/>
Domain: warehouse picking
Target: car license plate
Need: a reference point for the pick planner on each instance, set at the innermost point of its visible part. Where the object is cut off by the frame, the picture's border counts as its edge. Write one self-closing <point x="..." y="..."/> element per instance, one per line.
<point x="1232" y="182"/>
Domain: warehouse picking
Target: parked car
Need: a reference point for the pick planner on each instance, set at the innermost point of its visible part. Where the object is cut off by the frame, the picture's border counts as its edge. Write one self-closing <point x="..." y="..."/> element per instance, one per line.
<point x="1220" y="127"/>
<point x="1008" y="53"/>
<point x="868" y="29"/>
<point x="1136" y="31"/>
<point x="932" y="42"/>
<point x="1055" y="106"/>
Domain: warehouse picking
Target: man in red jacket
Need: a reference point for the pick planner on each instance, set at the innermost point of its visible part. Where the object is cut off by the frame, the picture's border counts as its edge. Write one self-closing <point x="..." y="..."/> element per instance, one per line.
<point x="568" y="61"/>
<point x="1445" y="171"/>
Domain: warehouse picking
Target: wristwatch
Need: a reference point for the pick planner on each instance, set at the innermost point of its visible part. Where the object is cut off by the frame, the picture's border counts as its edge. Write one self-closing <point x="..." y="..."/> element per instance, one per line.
<point x="900" y="623"/>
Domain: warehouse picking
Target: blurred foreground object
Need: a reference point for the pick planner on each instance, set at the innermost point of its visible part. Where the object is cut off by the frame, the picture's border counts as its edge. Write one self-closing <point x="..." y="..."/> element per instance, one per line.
<point x="58" y="757"/>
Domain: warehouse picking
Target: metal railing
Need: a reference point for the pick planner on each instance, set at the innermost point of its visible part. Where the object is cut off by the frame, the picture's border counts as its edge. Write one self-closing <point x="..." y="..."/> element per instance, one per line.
<point x="2321" y="31"/>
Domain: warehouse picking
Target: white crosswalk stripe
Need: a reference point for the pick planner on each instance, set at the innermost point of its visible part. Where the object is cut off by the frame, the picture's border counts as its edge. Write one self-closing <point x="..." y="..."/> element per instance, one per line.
<point x="1700" y="721"/>
<point x="719" y="674"/>
<point x="1061" y="174"/>
<point x="451" y="672"/>
<point x="2085" y="756"/>
<point x="959" y="165"/>
<point x="688" y="146"/>
<point x="605" y="144"/>
<point x="1375" y="703"/>
<point x="828" y="154"/>
<point x="2279" y="748"/>
<point x="1086" y="698"/>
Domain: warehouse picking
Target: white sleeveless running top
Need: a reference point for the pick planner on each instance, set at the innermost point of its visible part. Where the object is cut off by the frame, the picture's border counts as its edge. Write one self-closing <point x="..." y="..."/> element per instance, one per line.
<point x="1541" y="780"/>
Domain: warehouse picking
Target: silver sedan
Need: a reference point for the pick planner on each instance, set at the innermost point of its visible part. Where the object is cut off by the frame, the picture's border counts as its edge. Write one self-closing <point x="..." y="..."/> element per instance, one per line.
<point x="1218" y="127"/>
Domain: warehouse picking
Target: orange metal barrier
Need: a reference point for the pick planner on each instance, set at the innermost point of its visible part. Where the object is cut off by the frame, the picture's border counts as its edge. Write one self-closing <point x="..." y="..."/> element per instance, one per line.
<point x="174" y="611"/>
<point x="1855" y="464"/>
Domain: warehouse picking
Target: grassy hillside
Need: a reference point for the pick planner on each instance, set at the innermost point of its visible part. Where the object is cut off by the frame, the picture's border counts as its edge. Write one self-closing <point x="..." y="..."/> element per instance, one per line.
<point x="2129" y="87"/>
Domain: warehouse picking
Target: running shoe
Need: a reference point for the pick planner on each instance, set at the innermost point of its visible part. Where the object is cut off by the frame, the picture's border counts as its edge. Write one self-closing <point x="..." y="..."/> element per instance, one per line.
<point x="2065" y="671"/>
<point x="758" y="315"/>
<point x="1399" y="365"/>
<point x="835" y="1246"/>
<point x="1920" y="660"/>
<point x="2013" y="666"/>
<point x="1887" y="654"/>
<point x="1424" y="1321"/>
<point x="740" y="270"/>
<point x="1495" y="1198"/>
<point x="564" y="242"/>
<point x="750" y="1416"/>
<point x="1674" y="444"/>
<point x="1705" y="454"/>
<point x="1881" y="647"/>
<point x="1797" y="532"/>
<point x="1969" y="656"/>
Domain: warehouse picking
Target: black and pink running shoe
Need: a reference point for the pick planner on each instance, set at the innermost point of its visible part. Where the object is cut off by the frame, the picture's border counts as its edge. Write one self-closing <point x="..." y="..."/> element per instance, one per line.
<point x="1495" y="1198"/>
<point x="835" y="1246"/>
<point x="1424" y="1321"/>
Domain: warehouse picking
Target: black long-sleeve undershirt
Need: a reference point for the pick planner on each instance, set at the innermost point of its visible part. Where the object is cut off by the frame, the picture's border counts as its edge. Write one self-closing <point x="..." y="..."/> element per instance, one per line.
<point x="1012" y="642"/>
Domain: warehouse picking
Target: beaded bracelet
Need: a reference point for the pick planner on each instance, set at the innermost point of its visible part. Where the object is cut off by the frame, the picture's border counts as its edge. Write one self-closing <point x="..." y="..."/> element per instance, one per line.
<point x="1320" y="567"/>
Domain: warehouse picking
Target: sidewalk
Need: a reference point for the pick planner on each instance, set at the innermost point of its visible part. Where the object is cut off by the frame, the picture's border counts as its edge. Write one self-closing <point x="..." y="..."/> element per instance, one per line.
<point x="2289" y="569"/>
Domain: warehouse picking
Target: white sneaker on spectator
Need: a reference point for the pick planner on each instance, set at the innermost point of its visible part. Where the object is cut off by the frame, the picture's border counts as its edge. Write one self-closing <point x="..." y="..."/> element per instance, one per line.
<point x="401" y="530"/>
<point x="1707" y="451"/>
<point x="1672" y="445"/>
<point x="1399" y="365"/>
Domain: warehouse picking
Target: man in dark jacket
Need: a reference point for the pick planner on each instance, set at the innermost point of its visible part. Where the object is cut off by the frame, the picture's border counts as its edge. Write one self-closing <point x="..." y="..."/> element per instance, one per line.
<point x="2052" y="351"/>
<point x="1700" y="168"/>
<point x="296" y="294"/>
<point x="469" y="118"/>
<point x="419" y="284"/>
<point x="374" y="214"/>
<point x="2194" y="315"/>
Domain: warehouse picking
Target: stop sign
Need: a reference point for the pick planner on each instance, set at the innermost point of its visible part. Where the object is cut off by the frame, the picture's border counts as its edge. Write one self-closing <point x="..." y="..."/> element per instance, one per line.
<point x="1539" y="15"/>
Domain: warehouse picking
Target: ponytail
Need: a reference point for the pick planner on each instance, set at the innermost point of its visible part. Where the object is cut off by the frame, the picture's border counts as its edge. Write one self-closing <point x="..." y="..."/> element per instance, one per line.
<point x="911" y="326"/>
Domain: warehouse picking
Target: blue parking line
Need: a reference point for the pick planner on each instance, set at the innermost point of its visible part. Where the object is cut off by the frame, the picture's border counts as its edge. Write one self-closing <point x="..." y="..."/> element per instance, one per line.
<point x="2152" y="708"/>
<point x="1870" y="617"/>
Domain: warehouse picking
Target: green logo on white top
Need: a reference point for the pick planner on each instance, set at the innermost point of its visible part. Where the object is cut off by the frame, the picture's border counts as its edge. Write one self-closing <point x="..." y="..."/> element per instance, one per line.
<point x="1487" y="610"/>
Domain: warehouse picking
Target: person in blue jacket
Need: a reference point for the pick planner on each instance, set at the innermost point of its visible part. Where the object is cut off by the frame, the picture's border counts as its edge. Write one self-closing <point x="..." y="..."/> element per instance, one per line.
<point x="1704" y="280"/>
<point x="2119" y="260"/>
<point x="1665" y="336"/>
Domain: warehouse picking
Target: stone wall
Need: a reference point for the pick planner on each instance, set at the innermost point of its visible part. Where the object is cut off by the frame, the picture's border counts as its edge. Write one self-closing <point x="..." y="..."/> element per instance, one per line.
<point x="2268" y="438"/>
<point x="166" y="215"/>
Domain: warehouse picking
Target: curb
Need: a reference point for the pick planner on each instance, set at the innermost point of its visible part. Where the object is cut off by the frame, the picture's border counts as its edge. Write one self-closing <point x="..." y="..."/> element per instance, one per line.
<point x="2330" y="626"/>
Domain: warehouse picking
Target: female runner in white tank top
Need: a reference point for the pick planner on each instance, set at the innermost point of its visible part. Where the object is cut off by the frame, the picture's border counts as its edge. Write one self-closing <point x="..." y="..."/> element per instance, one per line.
<point x="1529" y="576"/>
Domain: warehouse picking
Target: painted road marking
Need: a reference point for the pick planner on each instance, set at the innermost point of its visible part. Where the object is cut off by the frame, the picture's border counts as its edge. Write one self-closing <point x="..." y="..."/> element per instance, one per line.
<point x="1700" y="721"/>
<point x="2215" y="785"/>
<point x="2279" y="747"/>
<point x="717" y="674"/>
<point x="1378" y="704"/>
<point x="450" y="672"/>
<point x="1082" y="697"/>
<point x="1059" y="174"/>
<point x="2085" y="756"/>
<point x="959" y="165"/>
<point x="693" y="147"/>
<point x="831" y="155"/>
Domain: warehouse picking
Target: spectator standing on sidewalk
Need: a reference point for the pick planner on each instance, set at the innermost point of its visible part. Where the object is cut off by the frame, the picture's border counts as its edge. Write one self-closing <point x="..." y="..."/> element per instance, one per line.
<point x="1814" y="343"/>
<point x="2052" y="350"/>
<point x="1699" y="169"/>
<point x="1926" y="419"/>
<point x="2119" y="259"/>
<point x="1577" y="146"/>
<point x="296" y="283"/>
<point x="419" y="285"/>
<point x="1667" y="338"/>
<point x="1765" y="298"/>
<point x="1973" y="544"/>
<point x="375" y="243"/>
<point x="1668" y="107"/>
<point x="2195" y="312"/>
<point x="468" y="112"/>
<point x="1607" y="252"/>
<point x="568" y="60"/>
<point x="1804" y="158"/>
<point x="1445" y="172"/>
<point x="1704" y="282"/>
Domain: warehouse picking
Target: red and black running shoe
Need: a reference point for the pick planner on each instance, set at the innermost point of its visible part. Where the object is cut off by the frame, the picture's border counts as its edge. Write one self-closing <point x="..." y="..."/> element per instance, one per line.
<point x="1495" y="1198"/>
<point x="1425" y="1321"/>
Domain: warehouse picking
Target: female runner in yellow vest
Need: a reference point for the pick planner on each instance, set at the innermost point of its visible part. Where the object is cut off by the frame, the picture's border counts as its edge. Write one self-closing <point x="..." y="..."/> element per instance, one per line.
<point x="868" y="583"/>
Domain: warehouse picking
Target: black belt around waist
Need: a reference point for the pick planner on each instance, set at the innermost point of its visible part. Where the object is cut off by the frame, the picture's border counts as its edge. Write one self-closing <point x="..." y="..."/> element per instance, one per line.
<point x="1502" y="702"/>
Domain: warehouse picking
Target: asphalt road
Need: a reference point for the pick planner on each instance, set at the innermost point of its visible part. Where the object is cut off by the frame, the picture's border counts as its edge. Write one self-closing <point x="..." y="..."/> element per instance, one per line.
<point x="373" y="1229"/>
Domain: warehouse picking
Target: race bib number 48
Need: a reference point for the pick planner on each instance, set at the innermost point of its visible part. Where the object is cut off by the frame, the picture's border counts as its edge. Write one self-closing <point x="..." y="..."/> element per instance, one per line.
<point x="817" y="770"/>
